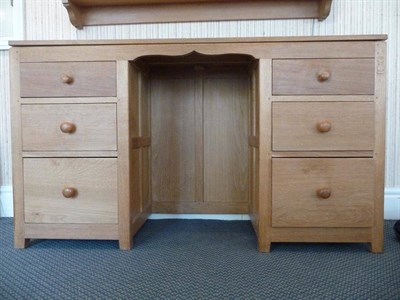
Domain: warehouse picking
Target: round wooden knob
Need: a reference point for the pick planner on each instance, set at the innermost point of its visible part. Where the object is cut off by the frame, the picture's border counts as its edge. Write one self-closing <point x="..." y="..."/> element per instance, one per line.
<point x="323" y="76"/>
<point x="67" y="79"/>
<point x="324" y="126"/>
<point x="70" y="192"/>
<point x="324" y="193"/>
<point x="67" y="127"/>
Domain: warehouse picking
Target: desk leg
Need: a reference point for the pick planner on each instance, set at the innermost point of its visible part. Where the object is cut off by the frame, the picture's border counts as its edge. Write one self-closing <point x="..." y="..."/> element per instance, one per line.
<point x="126" y="243"/>
<point x="22" y="243"/>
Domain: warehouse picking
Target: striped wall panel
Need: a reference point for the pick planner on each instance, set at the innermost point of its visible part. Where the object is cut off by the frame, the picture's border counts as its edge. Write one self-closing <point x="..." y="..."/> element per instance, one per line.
<point x="5" y="134"/>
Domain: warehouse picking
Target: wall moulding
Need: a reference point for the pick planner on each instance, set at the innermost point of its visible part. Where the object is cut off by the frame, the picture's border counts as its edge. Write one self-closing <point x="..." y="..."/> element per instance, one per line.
<point x="111" y="12"/>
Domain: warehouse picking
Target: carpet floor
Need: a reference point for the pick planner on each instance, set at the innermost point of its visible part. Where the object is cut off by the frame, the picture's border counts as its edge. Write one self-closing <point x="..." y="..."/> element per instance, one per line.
<point x="196" y="259"/>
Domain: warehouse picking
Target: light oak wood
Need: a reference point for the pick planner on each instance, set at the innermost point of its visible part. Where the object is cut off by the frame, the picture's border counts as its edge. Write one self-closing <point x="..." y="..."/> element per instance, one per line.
<point x="68" y="127"/>
<point x="72" y="231"/>
<point x="75" y="16"/>
<point x="141" y="142"/>
<point x="140" y="163"/>
<point x="245" y="40"/>
<point x="323" y="77"/>
<point x="70" y="190"/>
<point x="264" y="155"/>
<point x="88" y="3"/>
<point x="225" y="140"/>
<point x="100" y="12"/>
<point x="377" y="243"/>
<point x="321" y="235"/>
<point x="323" y="192"/>
<point x="253" y="188"/>
<point x="323" y="154"/>
<point x="20" y="238"/>
<point x="278" y="50"/>
<point x="216" y="103"/>
<point x="70" y="154"/>
<point x="137" y="214"/>
<point x="220" y="107"/>
<point x="144" y="96"/>
<point x="323" y="126"/>
<point x="324" y="9"/>
<point x="254" y="143"/>
<point x="125" y="159"/>
<point x="173" y="136"/>
<point x="199" y="132"/>
<point x="72" y="79"/>
<point x="60" y="100"/>
<point x="324" y="98"/>
<point x="200" y="207"/>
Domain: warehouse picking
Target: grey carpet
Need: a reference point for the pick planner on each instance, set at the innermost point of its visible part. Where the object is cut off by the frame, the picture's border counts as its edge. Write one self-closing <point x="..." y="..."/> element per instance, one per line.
<point x="193" y="259"/>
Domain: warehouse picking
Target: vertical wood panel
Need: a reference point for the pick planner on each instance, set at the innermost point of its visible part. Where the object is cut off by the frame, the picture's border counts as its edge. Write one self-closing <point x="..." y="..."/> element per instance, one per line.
<point x="264" y="154"/>
<point x="126" y="193"/>
<point x="253" y="155"/>
<point x="49" y="20"/>
<point x="225" y="139"/>
<point x="135" y="125"/>
<point x="379" y="159"/>
<point x="199" y="137"/>
<point x="145" y="133"/>
<point x="173" y="140"/>
<point x="17" y="161"/>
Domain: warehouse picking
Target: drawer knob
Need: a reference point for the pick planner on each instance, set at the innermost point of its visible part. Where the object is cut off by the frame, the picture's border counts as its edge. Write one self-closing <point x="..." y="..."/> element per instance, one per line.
<point x="323" y="76"/>
<point x="70" y="192"/>
<point x="68" y="127"/>
<point x="67" y="79"/>
<point x="324" y="126"/>
<point x="324" y="193"/>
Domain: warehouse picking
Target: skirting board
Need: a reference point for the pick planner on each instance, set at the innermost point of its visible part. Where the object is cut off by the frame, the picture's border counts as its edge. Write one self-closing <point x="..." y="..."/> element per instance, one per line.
<point x="392" y="208"/>
<point x="225" y="217"/>
<point x="6" y="201"/>
<point x="392" y="204"/>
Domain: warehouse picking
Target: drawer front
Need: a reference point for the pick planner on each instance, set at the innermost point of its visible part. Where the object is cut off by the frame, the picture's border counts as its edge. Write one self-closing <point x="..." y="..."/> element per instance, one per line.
<point x="319" y="126"/>
<point x="68" y="79"/>
<point x="316" y="192"/>
<point x="323" y="77"/>
<point x="68" y="127"/>
<point x="70" y="190"/>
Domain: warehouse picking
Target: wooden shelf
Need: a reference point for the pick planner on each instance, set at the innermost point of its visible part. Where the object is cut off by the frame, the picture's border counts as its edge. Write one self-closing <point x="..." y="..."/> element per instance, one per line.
<point x="108" y="12"/>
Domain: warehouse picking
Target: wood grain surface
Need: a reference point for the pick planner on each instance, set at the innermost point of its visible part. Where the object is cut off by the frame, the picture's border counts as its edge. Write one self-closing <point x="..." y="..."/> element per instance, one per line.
<point x="88" y="79"/>
<point x="345" y="77"/>
<point x="295" y="182"/>
<point x="95" y="127"/>
<point x="173" y="136"/>
<point x="95" y="180"/>
<point x="226" y="139"/>
<point x="296" y="126"/>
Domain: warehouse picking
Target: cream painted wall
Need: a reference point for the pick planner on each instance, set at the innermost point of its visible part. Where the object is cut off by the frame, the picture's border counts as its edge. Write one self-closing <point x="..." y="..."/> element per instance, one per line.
<point x="47" y="19"/>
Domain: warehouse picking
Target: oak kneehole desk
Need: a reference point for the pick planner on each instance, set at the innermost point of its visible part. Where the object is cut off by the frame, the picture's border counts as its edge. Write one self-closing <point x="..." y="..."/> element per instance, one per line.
<point x="288" y="130"/>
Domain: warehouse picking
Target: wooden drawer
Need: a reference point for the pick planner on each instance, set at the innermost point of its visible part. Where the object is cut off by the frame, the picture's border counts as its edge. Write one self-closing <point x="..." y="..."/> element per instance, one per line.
<point x="47" y="179"/>
<point x="323" y="77"/>
<point x="68" y="127"/>
<point x="322" y="192"/>
<point x="320" y="126"/>
<point x="68" y="79"/>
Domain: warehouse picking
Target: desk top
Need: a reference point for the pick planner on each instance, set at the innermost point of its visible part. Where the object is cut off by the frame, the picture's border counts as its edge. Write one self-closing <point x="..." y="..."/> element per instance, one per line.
<point x="338" y="38"/>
